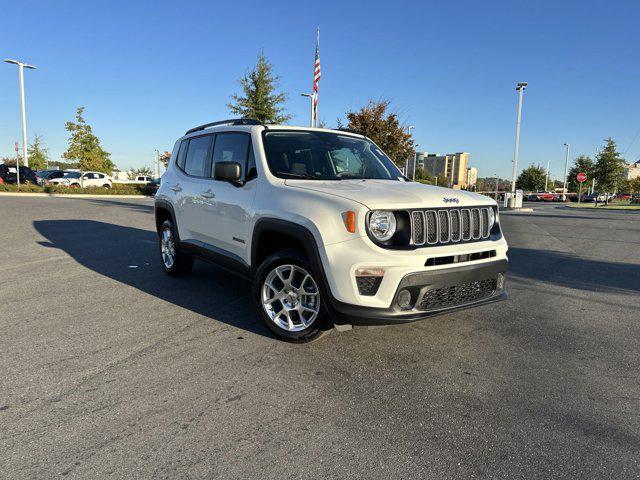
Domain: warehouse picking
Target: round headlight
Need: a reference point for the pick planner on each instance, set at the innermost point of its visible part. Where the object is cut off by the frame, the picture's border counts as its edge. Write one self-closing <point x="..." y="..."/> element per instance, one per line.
<point x="492" y="218"/>
<point x="382" y="225"/>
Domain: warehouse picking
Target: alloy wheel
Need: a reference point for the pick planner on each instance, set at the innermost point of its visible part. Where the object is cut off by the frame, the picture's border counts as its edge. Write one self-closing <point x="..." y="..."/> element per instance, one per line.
<point x="167" y="248"/>
<point x="291" y="298"/>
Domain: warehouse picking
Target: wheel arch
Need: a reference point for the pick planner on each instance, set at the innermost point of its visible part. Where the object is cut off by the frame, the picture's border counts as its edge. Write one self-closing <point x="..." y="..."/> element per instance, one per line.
<point x="163" y="210"/>
<point x="290" y="235"/>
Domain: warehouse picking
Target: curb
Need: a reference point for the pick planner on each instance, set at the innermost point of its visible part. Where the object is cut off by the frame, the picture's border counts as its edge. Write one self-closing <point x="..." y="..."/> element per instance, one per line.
<point x="69" y="195"/>
<point x="517" y="210"/>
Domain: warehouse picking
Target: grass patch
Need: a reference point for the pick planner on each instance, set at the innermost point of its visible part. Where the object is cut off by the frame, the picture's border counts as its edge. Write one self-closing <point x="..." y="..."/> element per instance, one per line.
<point x="615" y="206"/>
<point x="116" y="189"/>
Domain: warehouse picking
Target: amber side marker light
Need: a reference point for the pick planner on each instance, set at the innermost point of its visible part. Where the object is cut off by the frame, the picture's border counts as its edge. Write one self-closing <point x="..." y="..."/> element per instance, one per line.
<point x="350" y="221"/>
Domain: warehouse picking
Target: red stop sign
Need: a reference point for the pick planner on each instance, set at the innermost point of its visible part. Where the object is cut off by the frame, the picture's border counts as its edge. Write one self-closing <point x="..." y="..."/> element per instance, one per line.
<point x="581" y="177"/>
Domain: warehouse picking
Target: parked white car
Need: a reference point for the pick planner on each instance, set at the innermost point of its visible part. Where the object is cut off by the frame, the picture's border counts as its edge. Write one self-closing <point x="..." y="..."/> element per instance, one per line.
<point x="326" y="227"/>
<point x="83" y="180"/>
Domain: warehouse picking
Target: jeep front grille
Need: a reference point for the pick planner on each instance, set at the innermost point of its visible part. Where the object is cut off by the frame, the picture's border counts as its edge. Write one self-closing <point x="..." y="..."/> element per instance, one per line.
<point x="449" y="225"/>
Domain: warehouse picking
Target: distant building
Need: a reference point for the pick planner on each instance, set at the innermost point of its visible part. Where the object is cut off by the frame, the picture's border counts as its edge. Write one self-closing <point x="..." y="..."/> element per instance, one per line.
<point x="453" y="166"/>
<point x="632" y="171"/>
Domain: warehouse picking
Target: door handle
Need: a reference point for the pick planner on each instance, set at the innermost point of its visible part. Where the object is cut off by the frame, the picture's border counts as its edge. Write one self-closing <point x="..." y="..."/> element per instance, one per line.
<point x="176" y="188"/>
<point x="208" y="194"/>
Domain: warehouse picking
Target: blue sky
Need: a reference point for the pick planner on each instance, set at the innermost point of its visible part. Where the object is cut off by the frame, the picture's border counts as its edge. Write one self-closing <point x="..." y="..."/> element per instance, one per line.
<point x="148" y="71"/>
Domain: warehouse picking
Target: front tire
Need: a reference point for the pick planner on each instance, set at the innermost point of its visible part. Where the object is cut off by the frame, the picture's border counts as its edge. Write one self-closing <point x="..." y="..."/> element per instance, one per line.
<point x="287" y="297"/>
<point x="174" y="261"/>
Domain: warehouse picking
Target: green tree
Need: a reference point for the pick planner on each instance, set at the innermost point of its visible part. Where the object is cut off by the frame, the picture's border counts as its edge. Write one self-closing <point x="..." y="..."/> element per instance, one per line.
<point x="424" y="177"/>
<point x="11" y="161"/>
<point x="142" y="171"/>
<point x="442" y="180"/>
<point x="164" y="158"/>
<point x="582" y="164"/>
<point x="608" y="168"/>
<point x="384" y="129"/>
<point x="532" y="178"/>
<point x="634" y="185"/>
<point x="38" y="154"/>
<point x="84" y="147"/>
<point x="260" y="100"/>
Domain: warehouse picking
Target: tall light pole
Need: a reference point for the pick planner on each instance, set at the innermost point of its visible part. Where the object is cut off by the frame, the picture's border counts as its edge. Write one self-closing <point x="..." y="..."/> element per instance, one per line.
<point x="566" y="164"/>
<point x="157" y="162"/>
<point x="520" y="88"/>
<point x="409" y="128"/>
<point x="415" y="159"/>
<point x="21" y="67"/>
<point x="311" y="98"/>
<point x="546" y="179"/>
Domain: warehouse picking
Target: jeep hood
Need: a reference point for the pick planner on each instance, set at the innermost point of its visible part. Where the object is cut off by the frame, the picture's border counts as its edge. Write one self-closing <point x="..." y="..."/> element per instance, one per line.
<point x="392" y="194"/>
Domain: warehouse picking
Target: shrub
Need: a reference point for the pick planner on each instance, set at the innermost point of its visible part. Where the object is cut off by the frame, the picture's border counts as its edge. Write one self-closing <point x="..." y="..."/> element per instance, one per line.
<point x="116" y="189"/>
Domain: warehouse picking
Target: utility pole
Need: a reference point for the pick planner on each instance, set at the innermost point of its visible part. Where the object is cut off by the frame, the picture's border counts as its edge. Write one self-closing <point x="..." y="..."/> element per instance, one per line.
<point x="546" y="180"/>
<point x="520" y="88"/>
<point x="566" y="164"/>
<point x="157" y="162"/>
<point x="496" y="196"/>
<point x="21" y="67"/>
<point x="415" y="159"/>
<point x="409" y="128"/>
<point x="17" y="166"/>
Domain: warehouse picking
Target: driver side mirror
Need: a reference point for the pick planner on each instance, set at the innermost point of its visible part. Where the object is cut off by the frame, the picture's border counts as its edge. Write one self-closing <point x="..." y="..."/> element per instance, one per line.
<point x="228" y="172"/>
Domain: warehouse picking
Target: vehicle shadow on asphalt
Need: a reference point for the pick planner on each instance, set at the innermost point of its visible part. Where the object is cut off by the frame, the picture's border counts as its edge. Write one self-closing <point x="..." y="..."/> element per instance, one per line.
<point x="573" y="271"/>
<point x="130" y="256"/>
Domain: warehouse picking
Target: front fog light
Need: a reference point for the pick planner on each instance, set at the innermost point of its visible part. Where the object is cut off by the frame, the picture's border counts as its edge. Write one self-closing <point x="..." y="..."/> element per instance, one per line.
<point x="404" y="299"/>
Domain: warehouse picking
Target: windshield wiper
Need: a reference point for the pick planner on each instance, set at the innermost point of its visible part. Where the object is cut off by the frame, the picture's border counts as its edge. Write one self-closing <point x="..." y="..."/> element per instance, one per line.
<point x="305" y="176"/>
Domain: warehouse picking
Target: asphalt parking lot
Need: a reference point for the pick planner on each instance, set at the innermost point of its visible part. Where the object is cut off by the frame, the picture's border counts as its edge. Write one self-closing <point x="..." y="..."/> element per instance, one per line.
<point x="112" y="369"/>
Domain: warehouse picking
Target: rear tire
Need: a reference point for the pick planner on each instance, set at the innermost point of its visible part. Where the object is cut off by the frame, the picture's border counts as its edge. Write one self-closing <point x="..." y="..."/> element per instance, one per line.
<point x="287" y="297"/>
<point x="174" y="261"/>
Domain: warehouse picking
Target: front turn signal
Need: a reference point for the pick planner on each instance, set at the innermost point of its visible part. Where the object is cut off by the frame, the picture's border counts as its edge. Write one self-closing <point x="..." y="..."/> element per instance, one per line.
<point x="349" y="218"/>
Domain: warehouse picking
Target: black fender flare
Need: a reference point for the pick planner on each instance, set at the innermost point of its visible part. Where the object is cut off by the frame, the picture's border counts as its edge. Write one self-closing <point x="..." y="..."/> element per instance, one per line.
<point x="160" y="204"/>
<point x="304" y="235"/>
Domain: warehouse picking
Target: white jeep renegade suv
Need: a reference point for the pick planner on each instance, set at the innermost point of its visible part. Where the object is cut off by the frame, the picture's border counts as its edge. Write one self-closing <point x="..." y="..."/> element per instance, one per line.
<point x="326" y="227"/>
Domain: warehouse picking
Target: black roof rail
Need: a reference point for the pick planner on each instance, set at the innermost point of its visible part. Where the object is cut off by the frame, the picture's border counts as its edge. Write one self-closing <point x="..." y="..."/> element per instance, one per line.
<point x="348" y="130"/>
<point x="232" y="121"/>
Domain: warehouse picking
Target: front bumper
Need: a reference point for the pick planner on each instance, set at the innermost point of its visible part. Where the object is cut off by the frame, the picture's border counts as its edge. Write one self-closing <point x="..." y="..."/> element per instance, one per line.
<point x="469" y="282"/>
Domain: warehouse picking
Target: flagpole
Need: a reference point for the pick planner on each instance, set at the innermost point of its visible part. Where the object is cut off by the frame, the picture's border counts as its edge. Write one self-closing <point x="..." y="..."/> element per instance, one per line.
<point x="315" y="93"/>
<point x="316" y="72"/>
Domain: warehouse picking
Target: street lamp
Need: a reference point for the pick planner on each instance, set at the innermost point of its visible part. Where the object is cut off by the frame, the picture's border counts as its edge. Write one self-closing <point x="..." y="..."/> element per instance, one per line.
<point x="546" y="178"/>
<point x="566" y="164"/>
<point x="21" y="67"/>
<point x="520" y="88"/>
<point x="415" y="160"/>
<point x="311" y="97"/>
<point x="409" y="128"/>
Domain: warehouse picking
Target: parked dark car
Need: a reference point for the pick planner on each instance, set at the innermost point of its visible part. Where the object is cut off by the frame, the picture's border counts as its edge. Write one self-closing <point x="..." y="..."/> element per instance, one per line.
<point x="635" y="199"/>
<point x="8" y="174"/>
<point x="152" y="187"/>
<point x="45" y="175"/>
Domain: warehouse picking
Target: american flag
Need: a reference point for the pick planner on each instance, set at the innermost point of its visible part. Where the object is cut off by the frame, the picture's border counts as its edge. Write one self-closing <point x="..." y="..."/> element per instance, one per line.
<point x="316" y="79"/>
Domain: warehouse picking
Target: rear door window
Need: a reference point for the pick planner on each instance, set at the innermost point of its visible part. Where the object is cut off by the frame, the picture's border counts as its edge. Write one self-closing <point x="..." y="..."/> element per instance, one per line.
<point x="182" y="151"/>
<point x="196" y="162"/>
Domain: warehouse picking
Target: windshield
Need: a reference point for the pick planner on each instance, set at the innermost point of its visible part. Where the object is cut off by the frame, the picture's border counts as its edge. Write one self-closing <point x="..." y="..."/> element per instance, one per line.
<point x="326" y="156"/>
<point x="72" y="175"/>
